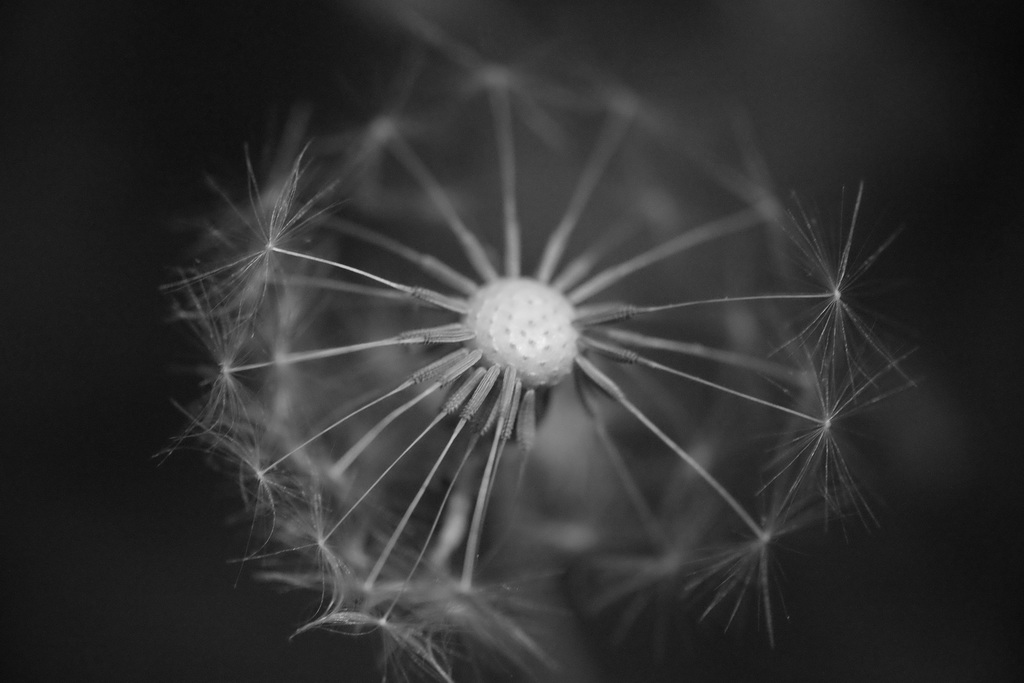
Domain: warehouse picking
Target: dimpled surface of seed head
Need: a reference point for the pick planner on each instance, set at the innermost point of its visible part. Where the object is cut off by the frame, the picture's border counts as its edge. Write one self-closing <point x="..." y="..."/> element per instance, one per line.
<point x="524" y="324"/>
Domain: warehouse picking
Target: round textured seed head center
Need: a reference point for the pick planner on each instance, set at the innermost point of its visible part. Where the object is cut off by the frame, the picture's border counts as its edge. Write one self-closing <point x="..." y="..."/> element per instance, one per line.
<point x="523" y="324"/>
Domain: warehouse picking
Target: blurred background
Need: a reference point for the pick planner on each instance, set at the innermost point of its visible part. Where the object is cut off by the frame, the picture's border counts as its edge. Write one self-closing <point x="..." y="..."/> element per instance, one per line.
<point x="114" y="561"/>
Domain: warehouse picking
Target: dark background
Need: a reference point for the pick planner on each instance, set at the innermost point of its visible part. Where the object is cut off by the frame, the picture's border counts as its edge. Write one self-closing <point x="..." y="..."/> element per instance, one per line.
<point x="113" y="561"/>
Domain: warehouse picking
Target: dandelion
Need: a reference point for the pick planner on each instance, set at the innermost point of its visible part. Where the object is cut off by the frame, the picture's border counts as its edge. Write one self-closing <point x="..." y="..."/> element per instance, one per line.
<point x="432" y="429"/>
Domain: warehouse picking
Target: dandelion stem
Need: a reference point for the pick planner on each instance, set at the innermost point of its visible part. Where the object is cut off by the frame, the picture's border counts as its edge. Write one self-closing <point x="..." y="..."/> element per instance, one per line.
<point x="608" y="141"/>
<point x="735" y="222"/>
<point x="602" y="380"/>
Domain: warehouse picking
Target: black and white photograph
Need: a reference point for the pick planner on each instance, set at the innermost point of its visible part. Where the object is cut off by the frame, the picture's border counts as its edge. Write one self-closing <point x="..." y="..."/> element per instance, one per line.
<point x="511" y="341"/>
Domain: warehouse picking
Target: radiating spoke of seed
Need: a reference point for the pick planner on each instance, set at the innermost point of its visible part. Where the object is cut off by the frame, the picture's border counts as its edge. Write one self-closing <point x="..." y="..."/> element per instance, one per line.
<point x="413" y="504"/>
<point x="447" y="368"/>
<point x="582" y="265"/>
<point x="632" y="357"/>
<point x="748" y="189"/>
<point x="451" y="374"/>
<point x="331" y="284"/>
<point x="844" y="261"/>
<point x="318" y="354"/>
<point x="456" y="516"/>
<point x="453" y="333"/>
<point x="733" y="358"/>
<point x="347" y="458"/>
<point x="451" y="532"/>
<point x="615" y="392"/>
<point x="431" y="265"/>
<point x="501" y="112"/>
<point x="611" y="136"/>
<point x="401" y="387"/>
<point x="504" y="408"/>
<point x="436" y="370"/>
<point x="480" y="391"/>
<point x="526" y="424"/>
<point x="643" y="310"/>
<point x="636" y="498"/>
<point x="470" y="244"/>
<point x="728" y="225"/>
<point x="383" y="475"/>
<point x="604" y="314"/>
<point x="428" y="295"/>
<point x="432" y="34"/>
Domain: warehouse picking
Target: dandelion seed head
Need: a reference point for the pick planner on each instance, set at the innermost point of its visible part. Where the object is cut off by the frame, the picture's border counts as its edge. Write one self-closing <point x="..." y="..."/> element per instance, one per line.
<point x="369" y="383"/>
<point x="523" y="324"/>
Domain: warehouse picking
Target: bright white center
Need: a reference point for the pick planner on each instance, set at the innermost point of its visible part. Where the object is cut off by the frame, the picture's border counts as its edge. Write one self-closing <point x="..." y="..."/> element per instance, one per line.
<point x="523" y="324"/>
